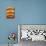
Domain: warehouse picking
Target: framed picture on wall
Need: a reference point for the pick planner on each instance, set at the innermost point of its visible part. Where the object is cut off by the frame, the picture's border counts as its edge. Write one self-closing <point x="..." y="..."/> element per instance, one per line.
<point x="32" y="32"/>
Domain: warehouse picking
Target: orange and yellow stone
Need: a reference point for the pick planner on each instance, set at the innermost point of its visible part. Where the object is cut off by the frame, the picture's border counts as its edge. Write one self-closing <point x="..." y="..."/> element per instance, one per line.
<point x="10" y="12"/>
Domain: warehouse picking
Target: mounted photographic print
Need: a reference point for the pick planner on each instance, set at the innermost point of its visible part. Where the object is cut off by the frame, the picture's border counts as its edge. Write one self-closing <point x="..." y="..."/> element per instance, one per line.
<point x="32" y="32"/>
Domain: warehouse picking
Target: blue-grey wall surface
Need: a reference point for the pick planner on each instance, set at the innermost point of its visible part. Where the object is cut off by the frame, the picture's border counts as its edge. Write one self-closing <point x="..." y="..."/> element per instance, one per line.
<point x="26" y="12"/>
